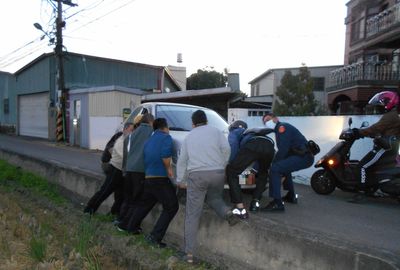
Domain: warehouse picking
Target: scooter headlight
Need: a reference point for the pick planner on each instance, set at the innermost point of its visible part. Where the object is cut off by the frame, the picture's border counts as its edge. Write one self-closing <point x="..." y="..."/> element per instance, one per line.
<point x="331" y="162"/>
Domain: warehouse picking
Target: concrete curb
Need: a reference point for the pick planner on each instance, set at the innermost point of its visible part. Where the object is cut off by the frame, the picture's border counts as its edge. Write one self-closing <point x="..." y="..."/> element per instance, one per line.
<point x="256" y="244"/>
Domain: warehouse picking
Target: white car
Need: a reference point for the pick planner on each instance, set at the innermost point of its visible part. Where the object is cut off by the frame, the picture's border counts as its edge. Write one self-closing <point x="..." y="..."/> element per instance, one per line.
<point x="179" y="118"/>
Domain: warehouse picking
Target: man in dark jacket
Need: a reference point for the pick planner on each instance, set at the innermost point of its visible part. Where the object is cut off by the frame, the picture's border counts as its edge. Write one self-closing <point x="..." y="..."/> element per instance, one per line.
<point x="112" y="155"/>
<point x="292" y="155"/>
<point x="133" y="167"/>
<point x="245" y="150"/>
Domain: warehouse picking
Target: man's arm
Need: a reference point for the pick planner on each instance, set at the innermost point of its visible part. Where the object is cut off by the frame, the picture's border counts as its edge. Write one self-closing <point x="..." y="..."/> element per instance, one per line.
<point x="166" y="154"/>
<point x="181" y="165"/>
<point x="378" y="127"/>
<point x="168" y="167"/>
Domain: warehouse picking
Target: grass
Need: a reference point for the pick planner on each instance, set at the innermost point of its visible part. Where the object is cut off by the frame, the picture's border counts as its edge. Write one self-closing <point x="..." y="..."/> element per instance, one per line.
<point x="84" y="236"/>
<point x="37" y="248"/>
<point x="37" y="184"/>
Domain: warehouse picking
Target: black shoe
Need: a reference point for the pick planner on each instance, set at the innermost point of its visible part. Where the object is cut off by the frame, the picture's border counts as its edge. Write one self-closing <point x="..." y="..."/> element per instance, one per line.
<point x="290" y="198"/>
<point x="254" y="205"/>
<point x="137" y="231"/>
<point x="232" y="218"/>
<point x="274" y="207"/>
<point x="88" y="210"/>
<point x="150" y="239"/>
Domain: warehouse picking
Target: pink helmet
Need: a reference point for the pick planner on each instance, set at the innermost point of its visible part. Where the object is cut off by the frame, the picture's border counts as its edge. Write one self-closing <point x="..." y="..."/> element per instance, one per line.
<point x="387" y="99"/>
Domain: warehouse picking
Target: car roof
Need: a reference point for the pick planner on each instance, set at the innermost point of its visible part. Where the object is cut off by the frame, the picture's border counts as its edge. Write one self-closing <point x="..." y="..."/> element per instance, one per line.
<point x="175" y="104"/>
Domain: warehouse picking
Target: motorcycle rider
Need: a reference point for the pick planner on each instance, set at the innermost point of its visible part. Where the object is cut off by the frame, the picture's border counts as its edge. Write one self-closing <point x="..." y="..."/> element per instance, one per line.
<point x="387" y="135"/>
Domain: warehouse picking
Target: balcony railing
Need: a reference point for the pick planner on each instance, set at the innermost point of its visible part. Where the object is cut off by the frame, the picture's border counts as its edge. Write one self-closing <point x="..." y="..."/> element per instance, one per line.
<point x="383" y="20"/>
<point x="353" y="74"/>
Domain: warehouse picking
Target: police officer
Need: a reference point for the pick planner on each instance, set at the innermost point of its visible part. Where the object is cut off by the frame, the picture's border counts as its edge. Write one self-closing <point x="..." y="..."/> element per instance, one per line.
<point x="387" y="134"/>
<point x="292" y="155"/>
<point x="246" y="148"/>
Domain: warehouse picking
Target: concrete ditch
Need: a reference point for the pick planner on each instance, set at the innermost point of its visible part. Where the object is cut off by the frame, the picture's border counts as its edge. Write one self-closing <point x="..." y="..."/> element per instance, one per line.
<point x="256" y="244"/>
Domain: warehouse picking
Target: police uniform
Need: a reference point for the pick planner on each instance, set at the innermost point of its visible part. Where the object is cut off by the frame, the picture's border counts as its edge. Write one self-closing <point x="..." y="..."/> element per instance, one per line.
<point x="292" y="155"/>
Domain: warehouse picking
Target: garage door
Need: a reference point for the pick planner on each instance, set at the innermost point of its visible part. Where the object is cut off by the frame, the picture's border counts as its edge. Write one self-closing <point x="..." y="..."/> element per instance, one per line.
<point x="33" y="115"/>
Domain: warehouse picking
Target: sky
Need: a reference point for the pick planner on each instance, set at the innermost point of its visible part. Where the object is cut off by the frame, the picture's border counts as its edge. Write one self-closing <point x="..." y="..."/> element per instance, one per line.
<point x="244" y="36"/>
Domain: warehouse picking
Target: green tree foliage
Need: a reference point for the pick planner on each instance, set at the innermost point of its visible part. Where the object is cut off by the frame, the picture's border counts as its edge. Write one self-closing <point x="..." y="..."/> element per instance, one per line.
<point x="295" y="94"/>
<point x="206" y="79"/>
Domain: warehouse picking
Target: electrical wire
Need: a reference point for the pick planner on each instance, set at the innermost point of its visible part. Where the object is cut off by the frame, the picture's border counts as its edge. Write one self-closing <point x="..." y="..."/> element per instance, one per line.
<point x="102" y="16"/>
<point x="18" y="54"/>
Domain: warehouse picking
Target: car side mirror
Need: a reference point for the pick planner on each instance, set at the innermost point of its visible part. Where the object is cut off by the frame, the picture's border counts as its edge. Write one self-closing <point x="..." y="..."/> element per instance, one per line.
<point x="364" y="124"/>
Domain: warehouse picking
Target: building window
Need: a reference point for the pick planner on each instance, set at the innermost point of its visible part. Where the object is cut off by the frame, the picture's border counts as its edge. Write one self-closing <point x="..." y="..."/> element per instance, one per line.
<point x="319" y="84"/>
<point x="6" y="105"/>
<point x="257" y="90"/>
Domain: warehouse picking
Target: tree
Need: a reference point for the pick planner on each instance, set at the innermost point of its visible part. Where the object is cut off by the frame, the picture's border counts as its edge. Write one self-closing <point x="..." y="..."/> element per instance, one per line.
<point x="206" y="79"/>
<point x="295" y="94"/>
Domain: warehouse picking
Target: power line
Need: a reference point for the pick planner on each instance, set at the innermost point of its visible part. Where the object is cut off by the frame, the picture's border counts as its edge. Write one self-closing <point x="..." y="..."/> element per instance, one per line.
<point x="10" y="57"/>
<point x="102" y="16"/>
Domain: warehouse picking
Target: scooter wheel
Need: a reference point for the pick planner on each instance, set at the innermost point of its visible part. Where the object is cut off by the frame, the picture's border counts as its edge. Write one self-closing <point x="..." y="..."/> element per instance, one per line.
<point x="322" y="183"/>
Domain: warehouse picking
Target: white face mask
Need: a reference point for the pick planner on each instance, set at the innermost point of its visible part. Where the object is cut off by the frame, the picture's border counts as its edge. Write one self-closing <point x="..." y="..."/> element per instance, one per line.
<point x="270" y="124"/>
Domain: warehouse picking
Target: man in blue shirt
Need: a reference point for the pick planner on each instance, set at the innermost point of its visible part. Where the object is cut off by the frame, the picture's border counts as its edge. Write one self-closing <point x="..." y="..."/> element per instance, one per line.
<point x="157" y="185"/>
<point x="293" y="155"/>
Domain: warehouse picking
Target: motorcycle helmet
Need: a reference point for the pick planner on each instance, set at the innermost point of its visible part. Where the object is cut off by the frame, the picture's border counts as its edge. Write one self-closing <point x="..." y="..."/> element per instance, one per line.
<point x="237" y="124"/>
<point x="387" y="99"/>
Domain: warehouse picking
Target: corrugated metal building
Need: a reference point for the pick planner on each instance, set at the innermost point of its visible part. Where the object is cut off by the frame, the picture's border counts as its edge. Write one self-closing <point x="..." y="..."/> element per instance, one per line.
<point x="32" y="91"/>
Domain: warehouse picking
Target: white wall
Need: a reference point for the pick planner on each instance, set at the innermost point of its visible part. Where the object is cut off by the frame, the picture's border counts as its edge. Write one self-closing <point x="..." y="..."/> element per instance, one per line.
<point x="324" y="130"/>
<point x="101" y="129"/>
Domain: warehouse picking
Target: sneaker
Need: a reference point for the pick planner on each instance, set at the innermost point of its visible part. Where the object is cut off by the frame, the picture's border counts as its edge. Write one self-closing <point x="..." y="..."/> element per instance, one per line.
<point x="254" y="205"/>
<point x="241" y="213"/>
<point x="273" y="206"/>
<point x="232" y="218"/>
<point x="290" y="198"/>
<point x="150" y="239"/>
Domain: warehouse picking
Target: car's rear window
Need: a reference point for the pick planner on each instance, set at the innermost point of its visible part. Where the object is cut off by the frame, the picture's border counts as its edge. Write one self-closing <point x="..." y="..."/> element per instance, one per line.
<point x="180" y="117"/>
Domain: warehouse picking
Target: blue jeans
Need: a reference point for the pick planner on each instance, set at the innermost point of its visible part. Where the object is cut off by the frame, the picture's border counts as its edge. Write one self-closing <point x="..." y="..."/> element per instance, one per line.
<point x="284" y="168"/>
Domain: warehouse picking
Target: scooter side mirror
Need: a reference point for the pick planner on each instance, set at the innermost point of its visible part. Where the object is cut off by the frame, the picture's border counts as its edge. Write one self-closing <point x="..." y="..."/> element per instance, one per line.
<point x="350" y="121"/>
<point x="364" y="124"/>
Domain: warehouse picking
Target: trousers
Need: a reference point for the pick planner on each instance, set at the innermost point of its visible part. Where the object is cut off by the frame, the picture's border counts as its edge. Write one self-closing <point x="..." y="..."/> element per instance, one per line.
<point x="156" y="190"/>
<point x="112" y="183"/>
<point x="256" y="150"/>
<point x="202" y="186"/>
<point x="284" y="168"/>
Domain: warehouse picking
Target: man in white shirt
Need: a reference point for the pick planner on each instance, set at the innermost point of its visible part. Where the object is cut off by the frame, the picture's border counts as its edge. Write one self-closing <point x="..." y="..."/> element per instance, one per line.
<point x="201" y="163"/>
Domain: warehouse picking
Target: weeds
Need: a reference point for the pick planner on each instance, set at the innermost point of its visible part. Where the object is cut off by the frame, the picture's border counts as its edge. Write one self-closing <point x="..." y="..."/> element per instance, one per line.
<point x="37" y="248"/>
<point x="91" y="261"/>
<point x="85" y="236"/>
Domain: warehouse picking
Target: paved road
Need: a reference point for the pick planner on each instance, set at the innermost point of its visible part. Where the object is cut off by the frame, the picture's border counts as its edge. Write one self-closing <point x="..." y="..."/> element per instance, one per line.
<point x="373" y="225"/>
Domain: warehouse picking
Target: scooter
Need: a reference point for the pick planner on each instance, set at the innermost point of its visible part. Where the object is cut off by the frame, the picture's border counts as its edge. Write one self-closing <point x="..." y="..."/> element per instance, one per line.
<point x="341" y="172"/>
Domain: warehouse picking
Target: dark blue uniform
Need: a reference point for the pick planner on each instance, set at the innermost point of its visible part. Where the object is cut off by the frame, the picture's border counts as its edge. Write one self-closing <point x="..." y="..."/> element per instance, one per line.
<point x="292" y="156"/>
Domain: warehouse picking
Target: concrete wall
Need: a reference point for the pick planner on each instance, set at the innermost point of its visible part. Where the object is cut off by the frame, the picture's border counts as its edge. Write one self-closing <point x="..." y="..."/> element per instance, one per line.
<point x="257" y="244"/>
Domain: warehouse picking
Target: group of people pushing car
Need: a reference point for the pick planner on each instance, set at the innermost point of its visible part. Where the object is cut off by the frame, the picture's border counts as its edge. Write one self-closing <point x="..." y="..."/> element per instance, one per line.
<point x="139" y="169"/>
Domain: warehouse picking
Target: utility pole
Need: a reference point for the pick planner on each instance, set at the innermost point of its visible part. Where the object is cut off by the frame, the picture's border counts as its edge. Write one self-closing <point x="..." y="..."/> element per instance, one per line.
<point x="61" y="132"/>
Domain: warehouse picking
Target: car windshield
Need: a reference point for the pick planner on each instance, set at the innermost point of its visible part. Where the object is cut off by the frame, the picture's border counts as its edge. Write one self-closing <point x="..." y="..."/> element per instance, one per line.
<point x="180" y="117"/>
